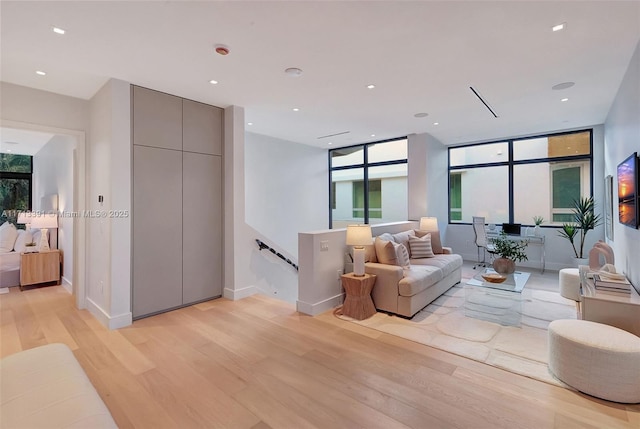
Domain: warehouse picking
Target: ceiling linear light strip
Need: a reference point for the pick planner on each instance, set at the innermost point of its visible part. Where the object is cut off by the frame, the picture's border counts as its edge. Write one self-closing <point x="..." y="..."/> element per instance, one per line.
<point x="333" y="135"/>
<point x="486" y="104"/>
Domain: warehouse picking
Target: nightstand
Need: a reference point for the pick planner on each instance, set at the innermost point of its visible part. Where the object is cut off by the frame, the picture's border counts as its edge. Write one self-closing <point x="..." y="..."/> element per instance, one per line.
<point x="357" y="302"/>
<point x="39" y="267"/>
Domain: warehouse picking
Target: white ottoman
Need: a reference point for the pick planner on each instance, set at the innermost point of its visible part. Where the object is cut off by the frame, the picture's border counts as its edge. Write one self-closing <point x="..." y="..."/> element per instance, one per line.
<point x="599" y="360"/>
<point x="570" y="283"/>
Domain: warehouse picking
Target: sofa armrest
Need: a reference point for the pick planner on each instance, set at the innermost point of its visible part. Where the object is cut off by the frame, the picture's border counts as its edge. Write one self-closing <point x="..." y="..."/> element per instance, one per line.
<point x="385" y="289"/>
<point x="447" y="250"/>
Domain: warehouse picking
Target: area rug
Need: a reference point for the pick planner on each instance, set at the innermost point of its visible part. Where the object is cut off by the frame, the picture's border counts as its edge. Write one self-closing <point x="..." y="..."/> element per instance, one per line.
<point x="521" y="349"/>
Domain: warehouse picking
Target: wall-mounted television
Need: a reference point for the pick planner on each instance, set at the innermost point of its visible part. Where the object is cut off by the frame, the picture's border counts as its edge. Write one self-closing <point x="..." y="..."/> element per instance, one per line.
<point x="628" y="191"/>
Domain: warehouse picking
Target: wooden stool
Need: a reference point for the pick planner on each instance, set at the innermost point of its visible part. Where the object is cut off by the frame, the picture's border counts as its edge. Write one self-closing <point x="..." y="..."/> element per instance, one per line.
<point x="357" y="302"/>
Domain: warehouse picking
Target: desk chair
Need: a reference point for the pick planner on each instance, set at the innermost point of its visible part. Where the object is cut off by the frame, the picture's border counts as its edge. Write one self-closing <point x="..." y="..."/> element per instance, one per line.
<point x="482" y="242"/>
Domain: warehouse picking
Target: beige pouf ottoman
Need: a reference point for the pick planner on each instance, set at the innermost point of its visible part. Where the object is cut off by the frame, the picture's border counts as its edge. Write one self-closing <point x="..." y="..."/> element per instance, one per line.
<point x="596" y="359"/>
<point x="570" y="283"/>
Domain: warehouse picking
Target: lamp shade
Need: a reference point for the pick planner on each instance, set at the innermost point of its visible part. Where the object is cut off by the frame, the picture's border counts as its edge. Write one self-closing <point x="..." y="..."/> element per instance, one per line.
<point x="359" y="235"/>
<point x="24" y="218"/>
<point x="44" y="221"/>
<point x="428" y="224"/>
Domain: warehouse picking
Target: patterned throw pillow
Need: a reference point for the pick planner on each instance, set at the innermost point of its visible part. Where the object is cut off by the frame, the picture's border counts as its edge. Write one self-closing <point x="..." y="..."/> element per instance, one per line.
<point x="402" y="256"/>
<point x="421" y="247"/>
<point x="436" y="244"/>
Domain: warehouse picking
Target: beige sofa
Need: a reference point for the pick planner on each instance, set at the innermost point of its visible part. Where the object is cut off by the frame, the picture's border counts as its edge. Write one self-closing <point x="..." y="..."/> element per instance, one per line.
<point x="405" y="290"/>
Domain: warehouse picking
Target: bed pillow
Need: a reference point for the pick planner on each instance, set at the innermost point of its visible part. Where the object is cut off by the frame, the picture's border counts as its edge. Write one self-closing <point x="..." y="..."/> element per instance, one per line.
<point x="24" y="237"/>
<point x="402" y="256"/>
<point x="8" y="235"/>
<point x="436" y="244"/>
<point x="421" y="247"/>
<point x="385" y="252"/>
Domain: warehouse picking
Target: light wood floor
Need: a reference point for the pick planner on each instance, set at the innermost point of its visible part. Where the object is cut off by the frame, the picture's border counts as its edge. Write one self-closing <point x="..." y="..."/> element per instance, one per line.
<point x="256" y="363"/>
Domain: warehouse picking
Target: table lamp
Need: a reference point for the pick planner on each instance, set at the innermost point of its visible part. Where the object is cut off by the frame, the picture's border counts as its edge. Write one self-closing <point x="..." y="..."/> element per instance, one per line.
<point x="358" y="236"/>
<point x="428" y="224"/>
<point x="24" y="218"/>
<point x="44" y="222"/>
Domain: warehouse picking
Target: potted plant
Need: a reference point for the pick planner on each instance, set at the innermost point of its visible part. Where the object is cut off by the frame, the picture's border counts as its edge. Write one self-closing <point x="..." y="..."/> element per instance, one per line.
<point x="537" y="221"/>
<point x="584" y="219"/>
<point x="510" y="252"/>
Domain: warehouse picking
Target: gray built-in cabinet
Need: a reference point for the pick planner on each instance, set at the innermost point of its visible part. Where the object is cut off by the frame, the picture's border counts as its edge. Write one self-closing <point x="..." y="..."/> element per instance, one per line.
<point x="177" y="201"/>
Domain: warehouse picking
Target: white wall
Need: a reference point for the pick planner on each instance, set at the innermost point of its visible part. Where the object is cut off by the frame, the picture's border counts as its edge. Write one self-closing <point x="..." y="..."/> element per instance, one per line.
<point x="109" y="261"/>
<point x="53" y="171"/>
<point x="285" y="192"/>
<point x="621" y="138"/>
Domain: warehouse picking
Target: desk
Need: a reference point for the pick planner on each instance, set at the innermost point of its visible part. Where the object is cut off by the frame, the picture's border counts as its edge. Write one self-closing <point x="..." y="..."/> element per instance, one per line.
<point x="611" y="308"/>
<point x="532" y="239"/>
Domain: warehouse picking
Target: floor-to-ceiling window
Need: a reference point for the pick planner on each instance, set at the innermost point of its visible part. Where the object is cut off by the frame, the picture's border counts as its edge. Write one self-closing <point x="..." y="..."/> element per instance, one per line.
<point x="515" y="180"/>
<point x="368" y="183"/>
<point x="16" y="172"/>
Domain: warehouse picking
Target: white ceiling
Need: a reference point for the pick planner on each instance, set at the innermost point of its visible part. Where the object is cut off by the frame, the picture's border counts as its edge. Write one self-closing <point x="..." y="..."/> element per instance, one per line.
<point x="22" y="142"/>
<point x="422" y="57"/>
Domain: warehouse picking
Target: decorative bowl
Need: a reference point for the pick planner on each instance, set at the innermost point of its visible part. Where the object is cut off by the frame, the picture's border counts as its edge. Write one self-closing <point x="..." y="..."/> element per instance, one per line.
<point x="494" y="278"/>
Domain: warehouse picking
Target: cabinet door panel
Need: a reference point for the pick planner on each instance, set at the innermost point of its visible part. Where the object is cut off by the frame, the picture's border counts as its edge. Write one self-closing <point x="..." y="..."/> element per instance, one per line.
<point x="157" y="230"/>
<point x="202" y="232"/>
<point x="202" y="128"/>
<point x="157" y="119"/>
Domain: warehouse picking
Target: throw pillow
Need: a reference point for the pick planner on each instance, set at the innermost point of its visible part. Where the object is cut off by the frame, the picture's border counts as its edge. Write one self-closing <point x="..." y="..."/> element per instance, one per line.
<point x="436" y="244"/>
<point x="8" y="235"/>
<point x="421" y="247"/>
<point x="403" y="237"/>
<point x="24" y="237"/>
<point x="385" y="252"/>
<point x="402" y="256"/>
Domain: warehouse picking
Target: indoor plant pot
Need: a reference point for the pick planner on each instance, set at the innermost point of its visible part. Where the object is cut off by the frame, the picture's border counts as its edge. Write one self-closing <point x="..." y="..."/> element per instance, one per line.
<point x="510" y="252"/>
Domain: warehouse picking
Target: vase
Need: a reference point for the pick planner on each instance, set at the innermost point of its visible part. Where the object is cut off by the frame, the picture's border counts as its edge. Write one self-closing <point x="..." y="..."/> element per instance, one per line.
<point x="536" y="231"/>
<point x="504" y="266"/>
<point x="580" y="261"/>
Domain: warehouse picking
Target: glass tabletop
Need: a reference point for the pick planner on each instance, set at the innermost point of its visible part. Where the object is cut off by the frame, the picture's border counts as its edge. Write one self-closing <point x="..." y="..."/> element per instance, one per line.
<point x="514" y="283"/>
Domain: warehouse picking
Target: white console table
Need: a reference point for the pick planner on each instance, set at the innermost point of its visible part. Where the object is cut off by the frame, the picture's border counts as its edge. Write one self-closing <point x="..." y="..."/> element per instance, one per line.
<point x="532" y="239"/>
<point x="611" y="308"/>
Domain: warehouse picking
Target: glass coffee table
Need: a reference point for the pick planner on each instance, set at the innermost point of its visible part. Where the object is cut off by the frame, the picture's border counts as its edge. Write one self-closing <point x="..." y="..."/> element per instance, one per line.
<point x="495" y="302"/>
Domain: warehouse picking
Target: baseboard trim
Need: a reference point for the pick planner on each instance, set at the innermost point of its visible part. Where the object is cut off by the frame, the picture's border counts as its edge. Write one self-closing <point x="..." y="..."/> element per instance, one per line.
<point x="66" y="284"/>
<point x="236" y="294"/>
<point x="111" y="322"/>
<point x="319" y="307"/>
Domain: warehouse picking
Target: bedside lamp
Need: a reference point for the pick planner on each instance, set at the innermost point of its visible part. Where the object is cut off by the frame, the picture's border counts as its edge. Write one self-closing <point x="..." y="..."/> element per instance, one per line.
<point x="44" y="222"/>
<point x="358" y="236"/>
<point x="428" y="224"/>
<point x="24" y="218"/>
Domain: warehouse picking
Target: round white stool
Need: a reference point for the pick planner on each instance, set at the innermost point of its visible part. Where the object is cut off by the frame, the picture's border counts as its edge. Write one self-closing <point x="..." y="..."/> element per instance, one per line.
<point x="570" y="284"/>
<point x="599" y="360"/>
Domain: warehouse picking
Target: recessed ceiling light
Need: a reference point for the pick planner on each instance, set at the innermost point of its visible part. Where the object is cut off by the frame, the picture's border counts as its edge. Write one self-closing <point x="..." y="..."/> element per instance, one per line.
<point x="249" y="123"/>
<point x="57" y="30"/>
<point x="294" y="71"/>
<point x="436" y="123"/>
<point x="421" y="115"/>
<point x="329" y="143"/>
<point x="373" y="135"/>
<point x="295" y="109"/>
<point x="559" y="26"/>
<point x="565" y="99"/>
<point x="40" y="73"/>
<point x="371" y="86"/>
<point x="563" y="85"/>
<point x="213" y="82"/>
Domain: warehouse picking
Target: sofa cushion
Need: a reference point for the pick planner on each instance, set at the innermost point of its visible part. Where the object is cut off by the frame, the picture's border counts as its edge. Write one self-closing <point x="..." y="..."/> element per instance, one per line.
<point x="418" y="278"/>
<point x="421" y="247"/>
<point x="385" y="251"/>
<point x="446" y="263"/>
<point x="402" y="256"/>
<point x="403" y="238"/>
<point x="436" y="244"/>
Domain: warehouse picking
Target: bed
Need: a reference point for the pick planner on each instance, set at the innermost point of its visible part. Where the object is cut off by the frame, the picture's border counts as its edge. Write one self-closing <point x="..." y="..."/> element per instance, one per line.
<point x="10" y="250"/>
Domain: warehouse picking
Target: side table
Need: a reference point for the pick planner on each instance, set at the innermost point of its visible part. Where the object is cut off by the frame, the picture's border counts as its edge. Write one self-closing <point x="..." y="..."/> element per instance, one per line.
<point x="39" y="267"/>
<point x="358" y="303"/>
